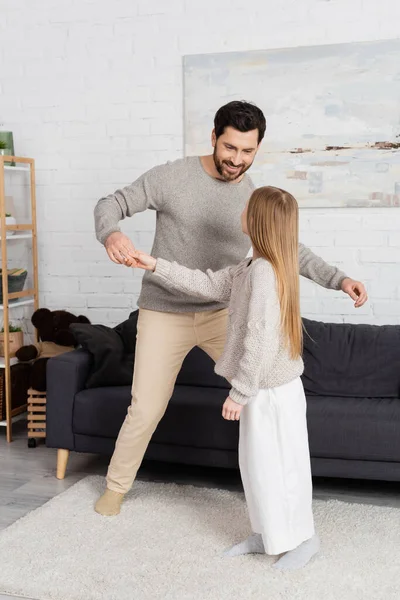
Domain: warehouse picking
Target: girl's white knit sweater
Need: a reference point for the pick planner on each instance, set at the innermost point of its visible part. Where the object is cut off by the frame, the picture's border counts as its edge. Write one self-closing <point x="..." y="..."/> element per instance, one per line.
<point x="255" y="355"/>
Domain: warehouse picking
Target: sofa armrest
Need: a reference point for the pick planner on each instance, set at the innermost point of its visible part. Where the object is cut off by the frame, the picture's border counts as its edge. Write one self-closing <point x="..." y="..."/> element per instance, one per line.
<point x="66" y="376"/>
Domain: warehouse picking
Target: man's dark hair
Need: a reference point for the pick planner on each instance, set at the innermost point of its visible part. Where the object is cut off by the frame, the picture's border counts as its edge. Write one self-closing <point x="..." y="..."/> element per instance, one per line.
<point x="242" y="116"/>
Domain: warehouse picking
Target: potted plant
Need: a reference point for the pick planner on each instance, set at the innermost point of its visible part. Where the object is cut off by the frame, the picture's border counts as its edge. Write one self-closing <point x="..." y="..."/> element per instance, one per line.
<point x="7" y="145"/>
<point x="16" y="339"/>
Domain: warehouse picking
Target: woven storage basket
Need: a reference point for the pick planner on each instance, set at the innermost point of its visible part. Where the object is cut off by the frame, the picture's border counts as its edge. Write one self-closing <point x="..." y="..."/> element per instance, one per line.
<point x="16" y="281"/>
<point x="16" y="340"/>
<point x="20" y="374"/>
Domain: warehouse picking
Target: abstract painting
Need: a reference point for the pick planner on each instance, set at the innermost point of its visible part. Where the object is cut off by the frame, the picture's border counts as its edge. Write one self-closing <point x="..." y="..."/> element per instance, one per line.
<point x="333" y="117"/>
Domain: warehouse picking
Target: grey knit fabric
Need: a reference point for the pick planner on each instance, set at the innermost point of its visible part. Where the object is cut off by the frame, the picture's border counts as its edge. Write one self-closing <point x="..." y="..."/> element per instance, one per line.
<point x="198" y="225"/>
<point x="255" y="355"/>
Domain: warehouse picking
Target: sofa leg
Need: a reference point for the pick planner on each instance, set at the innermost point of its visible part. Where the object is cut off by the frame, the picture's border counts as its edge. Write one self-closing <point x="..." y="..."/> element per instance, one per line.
<point x="62" y="460"/>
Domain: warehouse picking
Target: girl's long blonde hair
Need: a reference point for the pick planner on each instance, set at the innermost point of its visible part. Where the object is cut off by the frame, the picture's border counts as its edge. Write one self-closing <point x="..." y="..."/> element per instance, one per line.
<point x="273" y="226"/>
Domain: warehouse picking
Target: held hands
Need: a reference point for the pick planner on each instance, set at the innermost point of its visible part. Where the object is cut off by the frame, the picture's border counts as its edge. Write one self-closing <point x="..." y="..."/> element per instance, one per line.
<point x="120" y="249"/>
<point x="231" y="410"/>
<point x="144" y="261"/>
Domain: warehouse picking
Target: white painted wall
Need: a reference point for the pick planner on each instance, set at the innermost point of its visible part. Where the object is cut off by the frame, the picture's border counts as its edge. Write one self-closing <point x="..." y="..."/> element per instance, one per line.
<point x="93" y="91"/>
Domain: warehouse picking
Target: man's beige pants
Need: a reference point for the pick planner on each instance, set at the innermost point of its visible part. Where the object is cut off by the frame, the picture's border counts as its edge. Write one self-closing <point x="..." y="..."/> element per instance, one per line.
<point x="163" y="341"/>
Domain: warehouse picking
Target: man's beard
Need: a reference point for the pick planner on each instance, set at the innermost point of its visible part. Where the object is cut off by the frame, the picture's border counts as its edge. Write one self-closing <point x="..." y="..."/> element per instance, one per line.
<point x="226" y="176"/>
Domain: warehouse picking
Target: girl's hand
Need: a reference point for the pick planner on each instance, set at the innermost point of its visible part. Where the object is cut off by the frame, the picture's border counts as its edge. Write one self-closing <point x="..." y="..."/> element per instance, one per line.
<point x="143" y="261"/>
<point x="231" y="410"/>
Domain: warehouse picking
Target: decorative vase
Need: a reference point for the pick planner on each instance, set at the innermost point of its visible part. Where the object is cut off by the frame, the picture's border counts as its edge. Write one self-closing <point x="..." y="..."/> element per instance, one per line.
<point x="7" y="138"/>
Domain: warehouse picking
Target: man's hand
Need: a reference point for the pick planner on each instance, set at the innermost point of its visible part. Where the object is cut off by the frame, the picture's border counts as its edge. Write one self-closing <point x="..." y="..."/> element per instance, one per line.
<point x="231" y="410"/>
<point x="120" y="249"/>
<point x="356" y="290"/>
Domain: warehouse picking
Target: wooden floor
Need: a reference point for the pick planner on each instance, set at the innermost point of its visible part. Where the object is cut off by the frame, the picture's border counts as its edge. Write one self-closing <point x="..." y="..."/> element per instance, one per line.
<point x="27" y="479"/>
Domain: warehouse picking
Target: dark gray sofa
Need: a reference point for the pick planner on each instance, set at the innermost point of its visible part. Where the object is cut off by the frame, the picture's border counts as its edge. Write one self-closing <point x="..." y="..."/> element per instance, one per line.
<point x="352" y="384"/>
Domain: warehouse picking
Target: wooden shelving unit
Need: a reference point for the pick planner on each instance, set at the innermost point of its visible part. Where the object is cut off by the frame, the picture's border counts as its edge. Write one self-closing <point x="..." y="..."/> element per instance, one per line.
<point x="26" y="297"/>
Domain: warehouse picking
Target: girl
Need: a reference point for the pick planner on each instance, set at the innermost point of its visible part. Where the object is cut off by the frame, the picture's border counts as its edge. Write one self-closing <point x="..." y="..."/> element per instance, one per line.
<point x="262" y="362"/>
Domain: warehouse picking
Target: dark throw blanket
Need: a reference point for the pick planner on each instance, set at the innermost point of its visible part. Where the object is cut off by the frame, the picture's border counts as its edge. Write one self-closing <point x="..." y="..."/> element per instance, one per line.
<point x="113" y="351"/>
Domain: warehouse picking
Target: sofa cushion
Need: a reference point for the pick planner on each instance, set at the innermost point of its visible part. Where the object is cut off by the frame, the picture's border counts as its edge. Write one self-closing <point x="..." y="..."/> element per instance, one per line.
<point x="101" y="411"/>
<point x="198" y="370"/>
<point x="342" y="428"/>
<point x="193" y="417"/>
<point x="351" y="360"/>
<point x="354" y="428"/>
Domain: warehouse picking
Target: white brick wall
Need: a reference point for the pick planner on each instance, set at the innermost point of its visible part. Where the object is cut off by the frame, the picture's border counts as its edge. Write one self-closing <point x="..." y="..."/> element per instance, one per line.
<point x="93" y="91"/>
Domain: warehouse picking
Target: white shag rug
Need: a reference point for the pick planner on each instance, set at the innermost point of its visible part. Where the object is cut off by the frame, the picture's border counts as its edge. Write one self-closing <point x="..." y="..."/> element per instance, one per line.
<point x="167" y="544"/>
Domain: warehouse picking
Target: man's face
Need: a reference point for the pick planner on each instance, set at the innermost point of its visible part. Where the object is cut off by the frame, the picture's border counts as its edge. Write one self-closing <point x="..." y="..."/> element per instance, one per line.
<point x="234" y="152"/>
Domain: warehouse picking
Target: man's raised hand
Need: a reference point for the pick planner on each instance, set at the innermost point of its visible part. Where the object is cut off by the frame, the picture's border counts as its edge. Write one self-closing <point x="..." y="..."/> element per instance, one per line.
<point x="120" y="249"/>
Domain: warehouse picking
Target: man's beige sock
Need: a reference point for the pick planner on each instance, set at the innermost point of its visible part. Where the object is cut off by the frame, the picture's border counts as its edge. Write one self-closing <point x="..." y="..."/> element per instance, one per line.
<point x="109" y="504"/>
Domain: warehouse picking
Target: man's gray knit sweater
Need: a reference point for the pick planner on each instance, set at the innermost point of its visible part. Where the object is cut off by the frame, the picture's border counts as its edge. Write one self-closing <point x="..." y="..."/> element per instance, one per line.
<point x="198" y="226"/>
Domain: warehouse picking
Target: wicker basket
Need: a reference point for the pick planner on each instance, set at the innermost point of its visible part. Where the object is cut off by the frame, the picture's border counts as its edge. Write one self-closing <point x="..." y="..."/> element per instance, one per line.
<point x="20" y="378"/>
<point x="16" y="340"/>
<point x="16" y="281"/>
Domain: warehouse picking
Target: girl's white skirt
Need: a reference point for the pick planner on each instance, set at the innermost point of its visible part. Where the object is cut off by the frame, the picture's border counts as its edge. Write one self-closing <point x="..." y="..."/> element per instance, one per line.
<point x="275" y="466"/>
